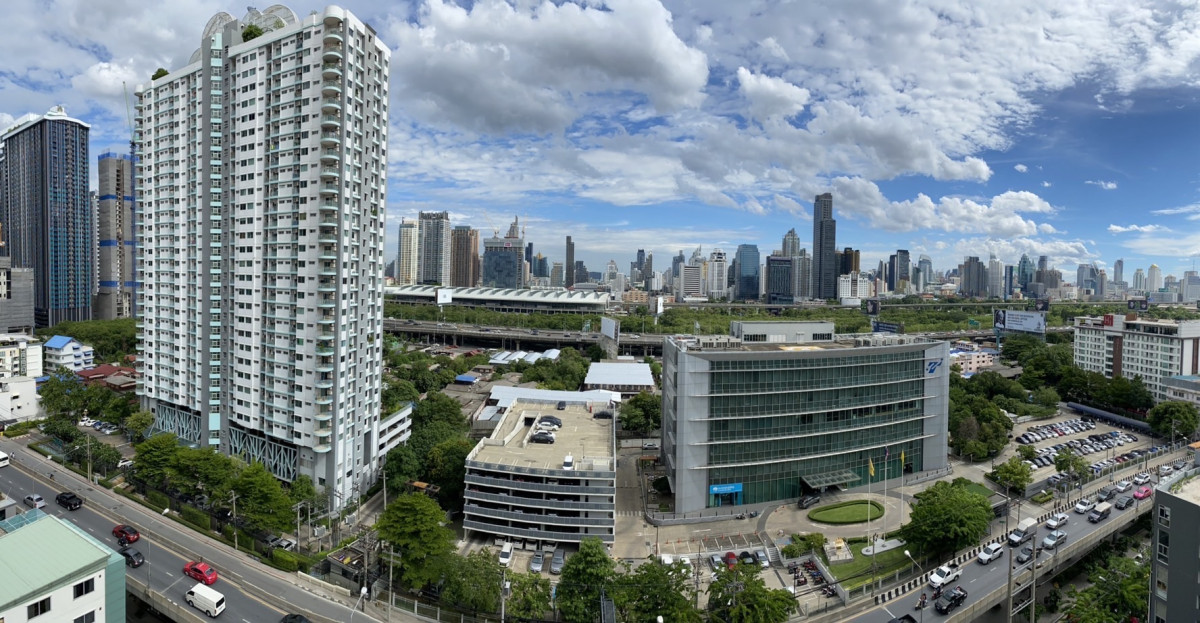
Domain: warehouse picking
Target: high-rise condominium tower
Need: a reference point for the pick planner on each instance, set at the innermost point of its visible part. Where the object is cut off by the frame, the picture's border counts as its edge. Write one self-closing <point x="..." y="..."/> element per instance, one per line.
<point x="791" y="243"/>
<point x="824" y="268"/>
<point x="1118" y="274"/>
<point x="433" y="244"/>
<point x="115" y="215"/>
<point x="570" y="265"/>
<point x="464" y="271"/>
<point x="1154" y="278"/>
<point x="262" y="169"/>
<point x="408" y="253"/>
<point x="47" y="214"/>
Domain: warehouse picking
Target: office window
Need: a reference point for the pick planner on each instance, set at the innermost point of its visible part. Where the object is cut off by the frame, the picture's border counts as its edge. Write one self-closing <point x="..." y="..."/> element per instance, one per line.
<point x="38" y="608"/>
<point x="1164" y="546"/>
<point x="87" y="618"/>
<point x="1164" y="516"/>
<point x="85" y="587"/>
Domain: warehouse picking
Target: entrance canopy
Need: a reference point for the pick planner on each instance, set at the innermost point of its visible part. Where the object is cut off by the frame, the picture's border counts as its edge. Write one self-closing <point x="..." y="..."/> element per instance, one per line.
<point x="827" y="479"/>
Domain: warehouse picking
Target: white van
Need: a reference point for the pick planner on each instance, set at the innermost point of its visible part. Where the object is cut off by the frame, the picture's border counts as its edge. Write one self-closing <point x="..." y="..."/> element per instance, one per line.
<point x="205" y="599"/>
<point x="506" y="555"/>
<point x="3" y="459"/>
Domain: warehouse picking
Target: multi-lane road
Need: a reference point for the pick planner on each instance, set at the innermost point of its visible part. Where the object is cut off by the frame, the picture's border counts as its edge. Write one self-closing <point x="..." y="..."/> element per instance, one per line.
<point x="253" y="593"/>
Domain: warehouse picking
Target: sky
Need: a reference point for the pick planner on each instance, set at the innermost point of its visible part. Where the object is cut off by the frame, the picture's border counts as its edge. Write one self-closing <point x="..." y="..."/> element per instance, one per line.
<point x="1067" y="129"/>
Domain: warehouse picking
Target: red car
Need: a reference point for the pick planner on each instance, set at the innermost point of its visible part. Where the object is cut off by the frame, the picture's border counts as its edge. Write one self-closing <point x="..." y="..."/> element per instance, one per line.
<point x="1143" y="493"/>
<point x="129" y="534"/>
<point x="200" y="572"/>
<point x="731" y="559"/>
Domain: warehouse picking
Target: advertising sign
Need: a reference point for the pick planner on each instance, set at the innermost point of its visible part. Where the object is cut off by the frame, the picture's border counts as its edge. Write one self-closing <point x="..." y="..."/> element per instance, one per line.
<point x="444" y="296"/>
<point x="872" y="307"/>
<point x="659" y="306"/>
<point x="1042" y="305"/>
<point x="609" y="328"/>
<point x="886" y="327"/>
<point x="1013" y="320"/>
<point x="718" y="489"/>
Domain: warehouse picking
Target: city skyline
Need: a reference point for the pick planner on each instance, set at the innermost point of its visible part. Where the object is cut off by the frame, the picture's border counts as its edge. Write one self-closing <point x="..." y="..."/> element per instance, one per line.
<point x="677" y="125"/>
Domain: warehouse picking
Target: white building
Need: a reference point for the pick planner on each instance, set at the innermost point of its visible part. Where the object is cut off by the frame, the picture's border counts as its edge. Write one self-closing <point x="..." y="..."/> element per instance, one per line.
<point x="68" y="353"/>
<point x="854" y="286"/>
<point x="20" y="355"/>
<point x="626" y="378"/>
<point x="261" y="182"/>
<point x="1119" y="345"/>
<point x="406" y="261"/>
<point x="718" y="275"/>
<point x="54" y="571"/>
<point x="19" y="399"/>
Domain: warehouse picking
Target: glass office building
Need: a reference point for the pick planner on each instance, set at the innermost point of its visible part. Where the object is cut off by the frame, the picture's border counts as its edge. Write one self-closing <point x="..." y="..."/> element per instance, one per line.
<point x="780" y="409"/>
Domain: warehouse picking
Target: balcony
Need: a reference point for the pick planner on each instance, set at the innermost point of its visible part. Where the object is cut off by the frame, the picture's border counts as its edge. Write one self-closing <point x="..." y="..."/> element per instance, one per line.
<point x="324" y="398"/>
<point x="326" y="351"/>
<point x="325" y="365"/>
<point x="330" y="172"/>
<point x="324" y="414"/>
<point x="327" y="319"/>
<point x="327" y="302"/>
<point x="332" y="54"/>
<point x="325" y="383"/>
<point x="331" y="140"/>
<point x="331" y="105"/>
<point x="330" y="121"/>
<point x="333" y="35"/>
<point x="323" y="445"/>
<point x="331" y="87"/>
<point x="327" y="268"/>
<point x="327" y="252"/>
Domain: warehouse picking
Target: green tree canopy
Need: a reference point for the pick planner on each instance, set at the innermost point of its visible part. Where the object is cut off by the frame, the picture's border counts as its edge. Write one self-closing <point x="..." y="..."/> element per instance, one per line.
<point x="302" y="490"/>
<point x="438" y="407"/>
<point x="946" y="518"/>
<point x="584" y="576"/>
<point x="412" y="524"/>
<point x="739" y="595"/>
<point x="530" y="596"/>
<point x="158" y="73"/>
<point x="251" y="32"/>
<point x="1174" y="419"/>
<point x="138" y="425"/>
<point x="473" y="581"/>
<point x="642" y="413"/>
<point x="1067" y="462"/>
<point x="1014" y="475"/>
<point x="652" y="590"/>
<point x="155" y="457"/>
<point x="112" y="339"/>
<point x="446" y="467"/>
<point x="62" y="394"/>
<point x="261" y="499"/>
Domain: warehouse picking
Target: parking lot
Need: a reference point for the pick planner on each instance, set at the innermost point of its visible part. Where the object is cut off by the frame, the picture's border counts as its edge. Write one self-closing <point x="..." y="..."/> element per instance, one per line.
<point x="1103" y="445"/>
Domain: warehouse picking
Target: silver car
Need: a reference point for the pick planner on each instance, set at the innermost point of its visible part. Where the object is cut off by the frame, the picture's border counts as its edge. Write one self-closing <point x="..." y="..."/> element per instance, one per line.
<point x="34" y="500"/>
<point x="535" y="563"/>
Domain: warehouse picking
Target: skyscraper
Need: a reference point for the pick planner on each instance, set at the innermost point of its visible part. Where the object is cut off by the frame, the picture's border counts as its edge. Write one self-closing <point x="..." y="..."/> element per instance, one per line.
<point x="464" y="254"/>
<point x="747" y="272"/>
<point x="569" y="278"/>
<point x="791" y="243"/>
<point x="973" y="277"/>
<point x="848" y="261"/>
<point x="262" y="321"/>
<point x="925" y="267"/>
<point x="781" y="280"/>
<point x="434" y="249"/>
<point x="802" y="273"/>
<point x="118" y="250"/>
<point x="1154" y="278"/>
<point x="47" y="213"/>
<point x="16" y="297"/>
<point x="408" y="253"/>
<point x="1139" y="280"/>
<point x="825" y="272"/>
<point x="1024" y="273"/>
<point x="899" y="270"/>
<point x="1118" y="274"/>
<point x="648" y="272"/>
<point x="995" y="278"/>
<point x="556" y="275"/>
<point x="504" y="261"/>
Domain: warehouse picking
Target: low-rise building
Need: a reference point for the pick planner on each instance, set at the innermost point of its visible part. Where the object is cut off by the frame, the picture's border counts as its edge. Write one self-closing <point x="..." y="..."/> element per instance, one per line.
<point x="626" y="378"/>
<point x="972" y="361"/>
<point x="69" y="353"/>
<point x="20" y="355"/>
<point x="1184" y="388"/>
<point x="542" y="493"/>
<point x="54" y="571"/>
<point x="19" y="399"/>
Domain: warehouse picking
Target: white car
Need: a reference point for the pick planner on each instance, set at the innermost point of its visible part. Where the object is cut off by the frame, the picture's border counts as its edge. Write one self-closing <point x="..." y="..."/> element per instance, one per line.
<point x="944" y="575"/>
<point x="1057" y="521"/>
<point x="1085" y="506"/>
<point x="991" y="552"/>
<point x="1141" y="478"/>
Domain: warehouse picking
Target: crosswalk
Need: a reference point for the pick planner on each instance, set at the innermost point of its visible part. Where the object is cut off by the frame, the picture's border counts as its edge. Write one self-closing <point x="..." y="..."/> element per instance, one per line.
<point x="628" y="513"/>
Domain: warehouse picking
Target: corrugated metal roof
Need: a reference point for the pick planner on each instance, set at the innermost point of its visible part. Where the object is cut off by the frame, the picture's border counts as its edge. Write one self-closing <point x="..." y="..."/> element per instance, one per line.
<point x="619" y="374"/>
<point x="41" y="555"/>
<point x="58" y="342"/>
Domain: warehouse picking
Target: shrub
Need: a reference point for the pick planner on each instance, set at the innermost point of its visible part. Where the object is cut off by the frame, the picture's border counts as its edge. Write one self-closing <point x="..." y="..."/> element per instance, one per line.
<point x="20" y="428"/>
<point x="794" y="549"/>
<point x="851" y="512"/>
<point x="195" y="517"/>
<point x="285" y="560"/>
<point x="1043" y="497"/>
<point x="158" y="499"/>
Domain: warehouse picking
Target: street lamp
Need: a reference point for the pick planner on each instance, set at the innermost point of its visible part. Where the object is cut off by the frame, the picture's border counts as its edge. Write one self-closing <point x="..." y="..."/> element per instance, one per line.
<point x="919" y="571"/>
<point x="361" y="594"/>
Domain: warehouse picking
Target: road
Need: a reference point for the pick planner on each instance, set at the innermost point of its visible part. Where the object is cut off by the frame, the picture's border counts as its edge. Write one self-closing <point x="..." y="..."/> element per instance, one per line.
<point x="980" y="580"/>
<point x="167" y="546"/>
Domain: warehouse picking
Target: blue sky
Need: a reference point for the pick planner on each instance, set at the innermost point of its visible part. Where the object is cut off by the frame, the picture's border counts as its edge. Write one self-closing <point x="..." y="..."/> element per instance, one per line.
<point x="946" y="129"/>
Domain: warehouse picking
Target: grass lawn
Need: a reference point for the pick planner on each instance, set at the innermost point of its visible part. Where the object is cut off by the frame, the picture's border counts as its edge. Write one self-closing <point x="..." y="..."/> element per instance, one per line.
<point x="858" y="569"/>
<point x="846" y="512"/>
<point x="983" y="490"/>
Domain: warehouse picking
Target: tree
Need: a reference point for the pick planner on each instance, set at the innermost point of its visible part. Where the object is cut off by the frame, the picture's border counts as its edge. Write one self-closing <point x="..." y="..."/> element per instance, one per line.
<point x="438" y="407"/>
<point x="739" y="595"/>
<point x="1119" y="591"/>
<point x="302" y="490"/>
<point x="1026" y="452"/>
<point x="652" y="590"/>
<point x="1067" y="462"/>
<point x="138" y="425"/>
<point x="412" y="523"/>
<point x="1014" y="475"/>
<point x="63" y="428"/>
<point x="946" y="518"/>
<point x="642" y="413"/>
<point x="155" y="457"/>
<point x="1047" y="397"/>
<point x="530" y="596"/>
<point x="402" y="465"/>
<point x="158" y="73"/>
<point x="584" y="576"/>
<point x="1173" y="419"/>
<point x="474" y="581"/>
<point x="61" y="394"/>
<point x="103" y="456"/>
<point x="251" y="32"/>
<point x="446" y="467"/>
<point x="261" y="499"/>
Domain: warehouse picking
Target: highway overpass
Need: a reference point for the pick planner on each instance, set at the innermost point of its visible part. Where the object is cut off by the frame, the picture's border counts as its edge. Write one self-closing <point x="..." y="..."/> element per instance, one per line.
<point x="254" y="593"/>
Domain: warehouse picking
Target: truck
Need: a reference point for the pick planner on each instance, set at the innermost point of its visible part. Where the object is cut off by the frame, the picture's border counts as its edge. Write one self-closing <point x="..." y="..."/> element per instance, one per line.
<point x="1025" y="531"/>
<point x="944" y="575"/>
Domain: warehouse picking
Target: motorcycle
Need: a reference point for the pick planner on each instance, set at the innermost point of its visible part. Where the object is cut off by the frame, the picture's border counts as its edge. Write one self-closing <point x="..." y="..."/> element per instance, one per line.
<point x="753" y="514"/>
<point x="921" y="603"/>
<point x="741" y="515"/>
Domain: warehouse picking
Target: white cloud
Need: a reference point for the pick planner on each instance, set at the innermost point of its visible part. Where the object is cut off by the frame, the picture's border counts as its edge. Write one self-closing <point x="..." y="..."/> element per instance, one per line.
<point x="1106" y="185"/>
<point x="770" y="96"/>
<point x="1121" y="229"/>
<point x="793" y="207"/>
<point x="108" y="80"/>
<point x="1192" y="211"/>
<point x="1020" y="168"/>
<point x="1046" y="184"/>
<point x="1009" y="250"/>
<point x="1047" y="228"/>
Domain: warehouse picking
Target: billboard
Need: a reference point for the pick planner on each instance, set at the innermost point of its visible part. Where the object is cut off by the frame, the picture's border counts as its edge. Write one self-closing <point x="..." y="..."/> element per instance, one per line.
<point x="444" y="296"/>
<point x="609" y="328"/>
<point x="1139" y="305"/>
<point x="1013" y="320"/>
<point x="872" y="307"/>
<point x="659" y="305"/>
<point x="886" y="327"/>
<point x="1042" y="305"/>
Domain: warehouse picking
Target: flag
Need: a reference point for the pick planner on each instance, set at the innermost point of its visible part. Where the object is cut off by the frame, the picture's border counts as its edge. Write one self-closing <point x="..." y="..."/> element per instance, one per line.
<point x="870" y="467"/>
<point x="887" y="452"/>
<point x="902" y="459"/>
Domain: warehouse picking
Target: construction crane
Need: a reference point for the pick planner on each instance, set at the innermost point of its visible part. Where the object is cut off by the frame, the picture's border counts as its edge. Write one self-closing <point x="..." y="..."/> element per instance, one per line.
<point x="495" y="230"/>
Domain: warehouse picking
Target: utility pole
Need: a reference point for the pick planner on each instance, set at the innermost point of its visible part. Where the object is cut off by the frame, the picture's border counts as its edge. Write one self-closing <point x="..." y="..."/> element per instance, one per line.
<point x="1013" y="560"/>
<point x="503" y="581"/>
<point x="233" y="517"/>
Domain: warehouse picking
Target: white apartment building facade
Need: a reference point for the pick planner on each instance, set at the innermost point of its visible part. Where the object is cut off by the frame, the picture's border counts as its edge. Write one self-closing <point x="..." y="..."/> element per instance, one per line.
<point x="67" y="352"/>
<point x="853" y="286"/>
<point x="1125" y="345"/>
<point x="262" y="179"/>
<point x="20" y="355"/>
<point x="406" y="258"/>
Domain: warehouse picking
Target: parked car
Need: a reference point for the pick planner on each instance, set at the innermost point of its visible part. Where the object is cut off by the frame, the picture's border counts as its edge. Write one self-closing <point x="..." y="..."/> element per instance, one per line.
<point x="747" y="558"/>
<point x="542" y="437"/>
<point x="716" y="562"/>
<point x="557" y="561"/>
<point x="536" y="562"/>
<point x="200" y="572"/>
<point x="69" y="500"/>
<point x="124" y="463"/>
<point x="34" y="500"/>
<point x="731" y="560"/>
<point x="650" y="445"/>
<point x="809" y="500"/>
<point x="761" y="556"/>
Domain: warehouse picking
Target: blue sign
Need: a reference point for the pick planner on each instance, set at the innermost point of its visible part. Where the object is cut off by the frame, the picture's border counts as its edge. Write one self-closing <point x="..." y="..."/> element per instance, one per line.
<point x="886" y="327"/>
<point x="932" y="366"/>
<point x="718" y="489"/>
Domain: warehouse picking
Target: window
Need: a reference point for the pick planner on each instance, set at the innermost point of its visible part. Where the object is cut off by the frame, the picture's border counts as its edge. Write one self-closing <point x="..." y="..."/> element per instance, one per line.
<point x="38" y="608"/>
<point x="85" y="587"/>
<point x="1164" y="516"/>
<point x="87" y="618"/>
<point x="1164" y="546"/>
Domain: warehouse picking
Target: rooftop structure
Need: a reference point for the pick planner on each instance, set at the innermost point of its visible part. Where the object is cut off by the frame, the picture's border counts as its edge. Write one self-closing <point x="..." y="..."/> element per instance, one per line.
<point x="505" y="299"/>
<point x="626" y="378"/>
